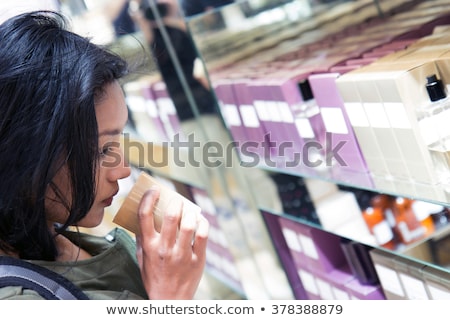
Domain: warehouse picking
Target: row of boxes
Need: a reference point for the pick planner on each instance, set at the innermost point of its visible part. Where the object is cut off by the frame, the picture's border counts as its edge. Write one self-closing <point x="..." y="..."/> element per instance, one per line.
<point x="309" y="131"/>
<point x="322" y="266"/>
<point x="406" y="279"/>
<point x="152" y="109"/>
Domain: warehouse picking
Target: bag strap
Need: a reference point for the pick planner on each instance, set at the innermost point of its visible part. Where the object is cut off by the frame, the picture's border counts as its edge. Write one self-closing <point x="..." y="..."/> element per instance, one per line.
<point x="50" y="285"/>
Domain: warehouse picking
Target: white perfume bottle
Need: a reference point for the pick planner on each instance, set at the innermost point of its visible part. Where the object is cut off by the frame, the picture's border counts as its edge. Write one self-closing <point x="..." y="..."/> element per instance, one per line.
<point x="434" y="126"/>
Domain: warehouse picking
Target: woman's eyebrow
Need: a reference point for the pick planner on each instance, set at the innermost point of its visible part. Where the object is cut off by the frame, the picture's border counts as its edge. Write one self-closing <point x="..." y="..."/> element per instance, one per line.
<point x="112" y="132"/>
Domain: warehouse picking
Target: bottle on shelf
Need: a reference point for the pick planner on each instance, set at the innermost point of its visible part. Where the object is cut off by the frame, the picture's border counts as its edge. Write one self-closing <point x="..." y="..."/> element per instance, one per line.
<point x="407" y="225"/>
<point x="379" y="227"/>
<point x="424" y="213"/>
<point x="433" y="120"/>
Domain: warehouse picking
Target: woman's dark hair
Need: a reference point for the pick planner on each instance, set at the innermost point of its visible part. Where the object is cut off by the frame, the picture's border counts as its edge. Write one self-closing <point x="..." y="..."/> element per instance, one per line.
<point x="50" y="79"/>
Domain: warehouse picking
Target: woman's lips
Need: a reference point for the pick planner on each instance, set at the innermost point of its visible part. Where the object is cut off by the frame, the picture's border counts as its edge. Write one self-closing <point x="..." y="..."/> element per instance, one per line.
<point x="108" y="201"/>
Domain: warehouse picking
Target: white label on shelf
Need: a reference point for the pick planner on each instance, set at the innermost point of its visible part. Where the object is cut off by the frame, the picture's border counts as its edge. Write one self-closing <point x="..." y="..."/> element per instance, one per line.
<point x="285" y="112"/>
<point x="260" y="107"/>
<point x="334" y="120"/>
<point x="376" y="115"/>
<point x="304" y="128"/>
<point x="389" y="280"/>
<point x="308" y="281"/>
<point x="340" y="294"/>
<point x="396" y="113"/>
<point x="292" y="240"/>
<point x="151" y="108"/>
<point x="324" y="289"/>
<point x="383" y="232"/>
<point x="231" y="115"/>
<point x="249" y="116"/>
<point x="437" y="293"/>
<point x="356" y="114"/>
<point x="428" y="130"/>
<point x="309" y="248"/>
<point x="415" y="289"/>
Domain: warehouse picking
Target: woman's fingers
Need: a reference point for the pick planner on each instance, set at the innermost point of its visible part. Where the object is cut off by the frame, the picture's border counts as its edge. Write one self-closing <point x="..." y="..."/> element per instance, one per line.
<point x="201" y="238"/>
<point x="187" y="230"/>
<point x="145" y="213"/>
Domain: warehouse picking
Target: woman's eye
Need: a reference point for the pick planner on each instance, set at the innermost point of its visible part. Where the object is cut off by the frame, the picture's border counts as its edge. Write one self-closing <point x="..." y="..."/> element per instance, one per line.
<point x="106" y="150"/>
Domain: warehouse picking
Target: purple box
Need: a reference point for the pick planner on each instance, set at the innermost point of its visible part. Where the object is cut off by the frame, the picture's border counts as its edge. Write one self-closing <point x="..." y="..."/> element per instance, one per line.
<point x="349" y="164"/>
<point x="359" y="291"/>
<point x="230" y="111"/>
<point x="259" y="96"/>
<point x="322" y="250"/>
<point x="167" y="111"/>
<point x="309" y="283"/>
<point x="286" y="95"/>
<point x="153" y="112"/>
<point x="332" y="285"/>
<point x="291" y="236"/>
<point x="254" y="125"/>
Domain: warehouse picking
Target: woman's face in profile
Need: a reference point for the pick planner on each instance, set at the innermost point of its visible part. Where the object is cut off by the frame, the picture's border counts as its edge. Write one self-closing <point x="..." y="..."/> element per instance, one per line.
<point x="112" y="115"/>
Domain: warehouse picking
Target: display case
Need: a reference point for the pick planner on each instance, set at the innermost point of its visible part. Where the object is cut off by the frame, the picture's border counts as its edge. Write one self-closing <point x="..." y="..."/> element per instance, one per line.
<point x="339" y="90"/>
<point x="337" y="149"/>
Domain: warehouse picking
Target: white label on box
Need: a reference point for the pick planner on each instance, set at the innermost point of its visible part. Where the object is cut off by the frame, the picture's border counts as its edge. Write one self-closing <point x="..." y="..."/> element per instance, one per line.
<point x="230" y="269"/>
<point x="389" y="280"/>
<point x="428" y="130"/>
<point x="304" y="128"/>
<point x="151" y="108"/>
<point x="222" y="239"/>
<point x="437" y="293"/>
<point x="213" y="237"/>
<point x="260" y="107"/>
<point x="443" y="123"/>
<point x="383" y="232"/>
<point x="308" y="281"/>
<point x="340" y="294"/>
<point x="396" y="113"/>
<point x="285" y="112"/>
<point x="231" y="115"/>
<point x="272" y="111"/>
<point x="249" y="116"/>
<point x="309" y="248"/>
<point x="136" y="103"/>
<point x="164" y="105"/>
<point x="292" y="240"/>
<point x="334" y="120"/>
<point x="356" y="114"/>
<point x="324" y="289"/>
<point x="415" y="289"/>
<point x="376" y="115"/>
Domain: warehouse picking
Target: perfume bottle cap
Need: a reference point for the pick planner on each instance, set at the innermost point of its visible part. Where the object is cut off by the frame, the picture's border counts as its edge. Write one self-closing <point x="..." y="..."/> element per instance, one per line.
<point x="305" y="90"/>
<point x="435" y="88"/>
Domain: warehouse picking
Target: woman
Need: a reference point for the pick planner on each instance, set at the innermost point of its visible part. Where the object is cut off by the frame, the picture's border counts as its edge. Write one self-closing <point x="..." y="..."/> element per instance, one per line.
<point x="62" y="112"/>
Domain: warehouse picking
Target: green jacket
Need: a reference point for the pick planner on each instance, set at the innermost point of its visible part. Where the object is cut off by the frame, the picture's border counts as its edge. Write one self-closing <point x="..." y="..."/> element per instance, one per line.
<point x="111" y="273"/>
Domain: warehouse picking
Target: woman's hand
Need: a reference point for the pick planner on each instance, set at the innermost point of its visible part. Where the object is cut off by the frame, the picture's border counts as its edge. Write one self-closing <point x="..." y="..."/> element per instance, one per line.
<point x="172" y="261"/>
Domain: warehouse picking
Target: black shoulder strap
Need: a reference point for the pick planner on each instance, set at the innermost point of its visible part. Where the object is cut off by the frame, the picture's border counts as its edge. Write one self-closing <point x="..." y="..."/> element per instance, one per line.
<point x="50" y="285"/>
